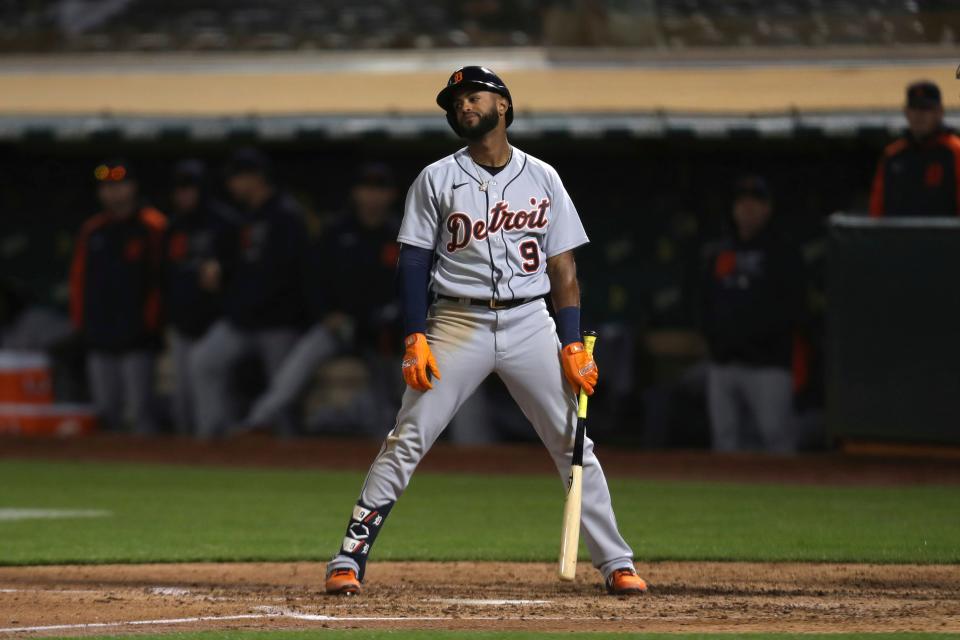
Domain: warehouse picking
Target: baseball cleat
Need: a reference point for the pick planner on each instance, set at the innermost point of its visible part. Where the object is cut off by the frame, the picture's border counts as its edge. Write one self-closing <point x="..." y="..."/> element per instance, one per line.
<point x="343" y="582"/>
<point x="625" y="582"/>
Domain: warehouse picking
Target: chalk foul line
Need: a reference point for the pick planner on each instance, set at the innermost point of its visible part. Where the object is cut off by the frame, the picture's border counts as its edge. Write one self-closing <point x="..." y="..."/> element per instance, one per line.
<point x="274" y="612"/>
<point x="8" y="514"/>
<point x="101" y="625"/>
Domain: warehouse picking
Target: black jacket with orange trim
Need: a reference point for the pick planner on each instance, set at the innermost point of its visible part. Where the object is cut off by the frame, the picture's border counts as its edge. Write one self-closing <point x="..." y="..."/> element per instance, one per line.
<point x="191" y="240"/>
<point x="265" y="286"/>
<point x="918" y="177"/>
<point x="370" y="256"/>
<point x="752" y="299"/>
<point x="115" y="281"/>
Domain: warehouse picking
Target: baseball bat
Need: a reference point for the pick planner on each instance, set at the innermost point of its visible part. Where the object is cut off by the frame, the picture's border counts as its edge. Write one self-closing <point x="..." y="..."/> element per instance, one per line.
<point x="570" y="534"/>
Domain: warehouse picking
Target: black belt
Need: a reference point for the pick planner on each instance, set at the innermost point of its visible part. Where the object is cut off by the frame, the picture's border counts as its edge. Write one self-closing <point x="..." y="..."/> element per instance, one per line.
<point x="489" y="303"/>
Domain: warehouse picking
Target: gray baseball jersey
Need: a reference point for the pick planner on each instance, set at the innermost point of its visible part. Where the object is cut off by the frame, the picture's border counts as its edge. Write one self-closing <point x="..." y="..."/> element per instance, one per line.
<point x="492" y="234"/>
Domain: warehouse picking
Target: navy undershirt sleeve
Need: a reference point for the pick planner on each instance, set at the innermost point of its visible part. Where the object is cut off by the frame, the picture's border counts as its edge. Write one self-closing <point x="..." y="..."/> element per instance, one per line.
<point x="568" y="325"/>
<point x="413" y="283"/>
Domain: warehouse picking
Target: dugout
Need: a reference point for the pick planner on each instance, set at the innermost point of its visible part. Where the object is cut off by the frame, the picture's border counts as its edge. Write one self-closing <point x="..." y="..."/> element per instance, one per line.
<point x="892" y="344"/>
<point x="648" y="150"/>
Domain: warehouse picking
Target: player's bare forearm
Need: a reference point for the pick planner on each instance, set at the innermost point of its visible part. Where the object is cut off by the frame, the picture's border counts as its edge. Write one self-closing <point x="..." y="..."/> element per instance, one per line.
<point x="564" y="288"/>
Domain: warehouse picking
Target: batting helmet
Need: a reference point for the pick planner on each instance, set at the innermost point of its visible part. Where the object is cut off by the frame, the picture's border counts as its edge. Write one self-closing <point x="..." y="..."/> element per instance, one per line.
<point x="477" y="78"/>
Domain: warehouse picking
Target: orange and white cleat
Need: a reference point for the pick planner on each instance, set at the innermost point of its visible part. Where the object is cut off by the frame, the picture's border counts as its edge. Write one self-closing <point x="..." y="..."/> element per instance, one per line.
<point x="626" y="582"/>
<point x="343" y="582"/>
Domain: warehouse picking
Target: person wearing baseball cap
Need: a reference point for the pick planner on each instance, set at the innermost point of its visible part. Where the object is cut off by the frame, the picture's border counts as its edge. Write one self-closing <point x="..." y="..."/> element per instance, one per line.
<point x="919" y="172"/>
<point x="753" y="292"/>
<point x="365" y="324"/>
<point x="195" y="248"/>
<point x="263" y="296"/>
<point x="115" y="298"/>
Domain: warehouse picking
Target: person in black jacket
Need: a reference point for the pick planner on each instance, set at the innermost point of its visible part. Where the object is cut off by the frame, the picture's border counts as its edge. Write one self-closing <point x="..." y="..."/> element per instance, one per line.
<point x="753" y="292"/>
<point x="363" y="322"/>
<point x="195" y="252"/>
<point x="919" y="172"/>
<point x="115" y="298"/>
<point x="262" y="295"/>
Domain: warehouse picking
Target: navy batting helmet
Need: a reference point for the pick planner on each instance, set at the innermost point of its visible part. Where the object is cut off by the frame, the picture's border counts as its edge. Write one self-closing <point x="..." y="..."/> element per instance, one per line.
<point x="477" y="78"/>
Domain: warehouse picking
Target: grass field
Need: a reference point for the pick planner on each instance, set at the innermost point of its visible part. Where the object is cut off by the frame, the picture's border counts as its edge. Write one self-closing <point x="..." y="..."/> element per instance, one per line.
<point x="170" y="514"/>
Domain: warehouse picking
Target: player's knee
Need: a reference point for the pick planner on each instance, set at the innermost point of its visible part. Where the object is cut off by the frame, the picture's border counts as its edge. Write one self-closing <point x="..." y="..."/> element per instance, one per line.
<point x="204" y="364"/>
<point x="405" y="445"/>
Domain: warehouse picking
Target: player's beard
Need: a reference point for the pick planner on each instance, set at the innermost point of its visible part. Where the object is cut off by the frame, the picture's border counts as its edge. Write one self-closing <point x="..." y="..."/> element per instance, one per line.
<point x="486" y="122"/>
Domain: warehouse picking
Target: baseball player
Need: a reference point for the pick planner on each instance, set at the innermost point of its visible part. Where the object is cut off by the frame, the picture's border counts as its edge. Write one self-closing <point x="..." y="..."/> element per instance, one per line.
<point x="489" y="231"/>
<point x="919" y="173"/>
<point x="115" y="298"/>
<point x="752" y="292"/>
<point x="262" y="296"/>
<point x="200" y="233"/>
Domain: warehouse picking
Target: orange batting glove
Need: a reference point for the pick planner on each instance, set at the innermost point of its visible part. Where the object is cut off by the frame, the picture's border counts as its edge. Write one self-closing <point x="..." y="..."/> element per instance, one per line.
<point x="579" y="368"/>
<point x="416" y="360"/>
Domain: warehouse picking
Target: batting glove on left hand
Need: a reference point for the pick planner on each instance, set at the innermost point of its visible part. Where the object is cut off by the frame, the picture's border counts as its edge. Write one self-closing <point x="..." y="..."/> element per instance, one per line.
<point x="579" y="368"/>
<point x="416" y="361"/>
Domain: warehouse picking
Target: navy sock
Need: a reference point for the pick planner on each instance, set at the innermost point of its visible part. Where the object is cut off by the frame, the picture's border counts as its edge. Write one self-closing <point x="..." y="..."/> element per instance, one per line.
<point x="364" y="526"/>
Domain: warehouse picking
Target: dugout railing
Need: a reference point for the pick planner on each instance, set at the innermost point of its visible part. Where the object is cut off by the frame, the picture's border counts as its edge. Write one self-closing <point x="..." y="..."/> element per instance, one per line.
<point x="893" y="329"/>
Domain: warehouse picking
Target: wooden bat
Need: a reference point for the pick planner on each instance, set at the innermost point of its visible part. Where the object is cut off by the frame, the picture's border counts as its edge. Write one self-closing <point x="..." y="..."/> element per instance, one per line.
<point x="570" y="535"/>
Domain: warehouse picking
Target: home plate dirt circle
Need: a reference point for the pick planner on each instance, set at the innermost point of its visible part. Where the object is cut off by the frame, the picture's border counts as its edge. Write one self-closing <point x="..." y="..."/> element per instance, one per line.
<point x="692" y="597"/>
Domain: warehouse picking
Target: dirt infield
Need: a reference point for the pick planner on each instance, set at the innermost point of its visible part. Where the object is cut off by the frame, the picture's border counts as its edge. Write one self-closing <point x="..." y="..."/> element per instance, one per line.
<point x="690" y="597"/>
